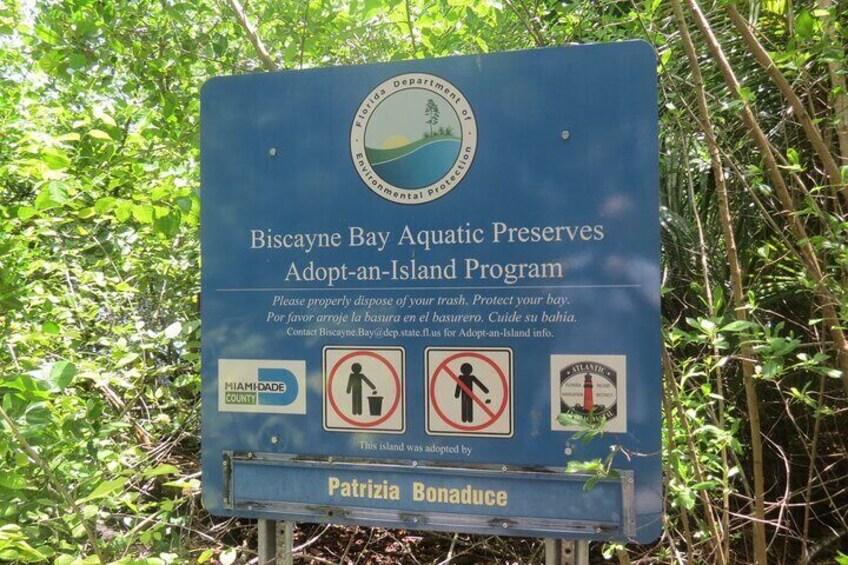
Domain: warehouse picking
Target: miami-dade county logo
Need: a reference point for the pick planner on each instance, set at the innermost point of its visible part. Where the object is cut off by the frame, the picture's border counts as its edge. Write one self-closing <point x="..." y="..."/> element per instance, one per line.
<point x="589" y="388"/>
<point x="413" y="138"/>
<point x="247" y="385"/>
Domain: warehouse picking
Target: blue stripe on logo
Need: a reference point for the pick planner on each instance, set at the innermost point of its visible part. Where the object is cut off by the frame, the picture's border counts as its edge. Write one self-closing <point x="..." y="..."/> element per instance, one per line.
<point x="284" y="377"/>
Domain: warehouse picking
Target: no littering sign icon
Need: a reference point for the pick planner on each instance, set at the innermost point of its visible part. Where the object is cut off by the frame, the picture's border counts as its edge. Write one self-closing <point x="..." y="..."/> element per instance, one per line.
<point x="364" y="389"/>
<point x="469" y="391"/>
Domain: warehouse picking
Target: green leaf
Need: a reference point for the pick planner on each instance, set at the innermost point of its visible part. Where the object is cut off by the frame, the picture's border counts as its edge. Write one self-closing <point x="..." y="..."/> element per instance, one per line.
<point x="12" y="481"/>
<point x="100" y="134"/>
<point x="705" y="485"/>
<point x="104" y="489"/>
<point x="76" y="61"/>
<point x="104" y="204"/>
<point x="61" y="374"/>
<point x="143" y="213"/>
<point x="792" y="156"/>
<point x="26" y="212"/>
<point x="53" y="195"/>
<point x="55" y="159"/>
<point x="163" y="469"/>
<point x="105" y="118"/>
<point x="51" y="328"/>
<point x="737" y="326"/>
<point x="123" y="211"/>
<point x="169" y="224"/>
<point x="205" y="556"/>
<point x="126" y="360"/>
<point x="805" y="25"/>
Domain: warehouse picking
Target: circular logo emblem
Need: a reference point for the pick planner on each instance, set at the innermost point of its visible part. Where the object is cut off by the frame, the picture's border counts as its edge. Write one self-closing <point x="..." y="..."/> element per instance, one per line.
<point x="413" y="138"/>
<point x="589" y="389"/>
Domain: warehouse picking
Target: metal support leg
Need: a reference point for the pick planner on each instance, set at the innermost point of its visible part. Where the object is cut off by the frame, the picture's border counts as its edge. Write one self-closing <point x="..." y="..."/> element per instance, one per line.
<point x="566" y="552"/>
<point x="276" y="541"/>
<point x="559" y="552"/>
<point x="285" y="543"/>
<point x="581" y="555"/>
<point x="267" y="542"/>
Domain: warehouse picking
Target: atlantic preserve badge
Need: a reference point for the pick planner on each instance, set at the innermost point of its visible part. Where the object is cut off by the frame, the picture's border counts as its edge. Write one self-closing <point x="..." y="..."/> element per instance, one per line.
<point x="591" y="388"/>
<point x="413" y="138"/>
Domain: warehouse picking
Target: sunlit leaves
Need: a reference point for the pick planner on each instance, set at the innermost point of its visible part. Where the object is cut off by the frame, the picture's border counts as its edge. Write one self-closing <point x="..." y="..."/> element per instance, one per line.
<point x="61" y="374"/>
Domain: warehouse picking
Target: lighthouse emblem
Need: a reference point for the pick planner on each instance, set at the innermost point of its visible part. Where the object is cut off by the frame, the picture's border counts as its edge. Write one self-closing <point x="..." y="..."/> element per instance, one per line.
<point x="589" y="389"/>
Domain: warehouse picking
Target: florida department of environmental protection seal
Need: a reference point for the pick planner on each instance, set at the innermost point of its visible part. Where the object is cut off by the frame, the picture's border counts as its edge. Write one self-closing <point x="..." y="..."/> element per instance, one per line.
<point x="413" y="138"/>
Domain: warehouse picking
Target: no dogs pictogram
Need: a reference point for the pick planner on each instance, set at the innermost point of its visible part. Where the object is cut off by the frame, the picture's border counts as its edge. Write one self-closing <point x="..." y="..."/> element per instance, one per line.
<point x="469" y="391"/>
<point x="364" y="389"/>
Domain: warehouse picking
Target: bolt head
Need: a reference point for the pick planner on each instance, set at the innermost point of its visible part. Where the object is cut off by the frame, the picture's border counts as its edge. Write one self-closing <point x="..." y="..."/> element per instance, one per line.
<point x="506" y="524"/>
<point x="275" y="440"/>
<point x="272" y="152"/>
<point x="565" y="135"/>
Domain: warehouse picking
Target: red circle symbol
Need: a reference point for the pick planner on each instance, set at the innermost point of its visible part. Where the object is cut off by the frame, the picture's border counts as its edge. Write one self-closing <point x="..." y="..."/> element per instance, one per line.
<point x="493" y="416"/>
<point x="395" y="377"/>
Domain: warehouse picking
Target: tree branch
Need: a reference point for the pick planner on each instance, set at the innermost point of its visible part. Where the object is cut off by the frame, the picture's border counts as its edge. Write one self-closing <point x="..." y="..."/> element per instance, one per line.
<point x="813" y="134"/>
<point x="253" y="35"/>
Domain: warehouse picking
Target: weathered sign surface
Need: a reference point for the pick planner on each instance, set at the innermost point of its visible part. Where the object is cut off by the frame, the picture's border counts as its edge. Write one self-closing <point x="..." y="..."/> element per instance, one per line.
<point x="412" y="270"/>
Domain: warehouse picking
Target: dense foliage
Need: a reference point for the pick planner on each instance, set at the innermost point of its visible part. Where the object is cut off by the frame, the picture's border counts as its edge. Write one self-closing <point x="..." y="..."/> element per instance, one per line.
<point x="99" y="263"/>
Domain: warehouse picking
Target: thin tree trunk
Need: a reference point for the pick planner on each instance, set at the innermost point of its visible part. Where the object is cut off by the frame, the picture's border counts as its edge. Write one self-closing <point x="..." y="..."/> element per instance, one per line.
<point x="827" y="302"/>
<point x="702" y="244"/>
<point x="737" y="278"/>
<point x="837" y="81"/>
<point x="812" y="131"/>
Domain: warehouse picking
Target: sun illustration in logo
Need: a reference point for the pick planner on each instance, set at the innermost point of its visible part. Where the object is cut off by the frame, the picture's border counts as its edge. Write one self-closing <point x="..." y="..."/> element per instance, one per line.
<point x="413" y="138"/>
<point x="395" y="141"/>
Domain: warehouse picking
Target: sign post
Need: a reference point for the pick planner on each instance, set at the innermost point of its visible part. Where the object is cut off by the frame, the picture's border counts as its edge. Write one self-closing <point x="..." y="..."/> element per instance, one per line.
<point x="431" y="295"/>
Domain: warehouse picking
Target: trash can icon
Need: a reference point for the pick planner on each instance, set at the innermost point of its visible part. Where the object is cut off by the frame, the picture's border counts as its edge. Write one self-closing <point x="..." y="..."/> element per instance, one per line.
<point x="375" y="405"/>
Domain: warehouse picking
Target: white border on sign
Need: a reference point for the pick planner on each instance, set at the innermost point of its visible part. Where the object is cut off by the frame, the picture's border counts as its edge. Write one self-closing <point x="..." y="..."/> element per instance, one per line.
<point x="510" y="382"/>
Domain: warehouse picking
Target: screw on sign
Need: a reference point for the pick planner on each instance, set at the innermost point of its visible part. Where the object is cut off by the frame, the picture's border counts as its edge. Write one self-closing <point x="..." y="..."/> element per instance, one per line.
<point x="470" y="392"/>
<point x="350" y="374"/>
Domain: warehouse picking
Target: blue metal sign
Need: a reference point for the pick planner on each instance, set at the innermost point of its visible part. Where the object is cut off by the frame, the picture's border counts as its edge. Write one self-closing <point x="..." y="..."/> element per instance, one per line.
<point x="429" y="288"/>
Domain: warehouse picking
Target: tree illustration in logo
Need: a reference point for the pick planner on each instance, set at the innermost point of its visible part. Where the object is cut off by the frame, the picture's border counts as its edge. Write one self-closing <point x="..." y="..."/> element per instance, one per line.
<point x="431" y="112"/>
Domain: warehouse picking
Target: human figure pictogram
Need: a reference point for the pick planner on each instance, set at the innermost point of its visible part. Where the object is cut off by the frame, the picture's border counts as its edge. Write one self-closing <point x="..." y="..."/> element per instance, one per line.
<point x="354" y="387"/>
<point x="468" y="380"/>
